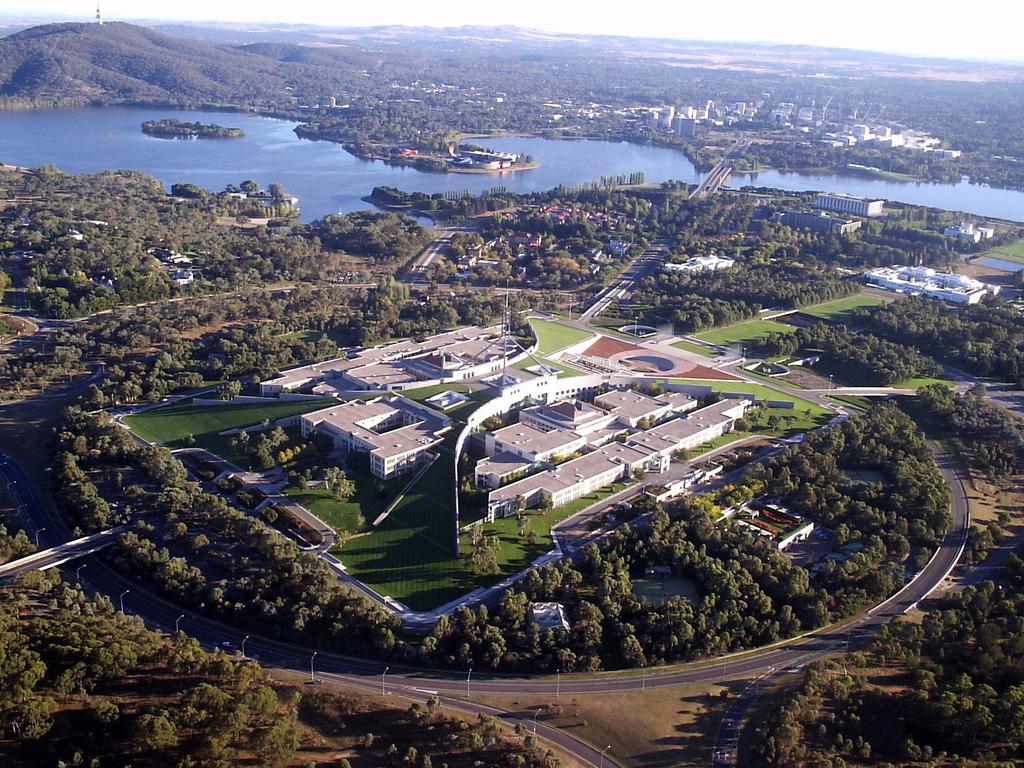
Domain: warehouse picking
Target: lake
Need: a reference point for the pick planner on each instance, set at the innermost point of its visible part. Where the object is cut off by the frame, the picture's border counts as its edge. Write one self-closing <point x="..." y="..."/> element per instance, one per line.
<point x="327" y="179"/>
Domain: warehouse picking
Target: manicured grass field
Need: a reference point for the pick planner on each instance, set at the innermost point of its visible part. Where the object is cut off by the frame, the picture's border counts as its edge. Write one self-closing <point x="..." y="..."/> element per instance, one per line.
<point x="743" y="333"/>
<point x="554" y="336"/>
<point x="343" y="515"/>
<point x="1011" y="252"/>
<point x="760" y="392"/>
<point x="411" y="557"/>
<point x="172" y="424"/>
<point x="840" y="310"/>
<point x="689" y="346"/>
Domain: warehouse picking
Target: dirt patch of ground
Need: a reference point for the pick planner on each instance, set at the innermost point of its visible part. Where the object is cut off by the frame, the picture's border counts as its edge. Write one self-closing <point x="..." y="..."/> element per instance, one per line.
<point x="988" y="274"/>
<point x="801" y="376"/>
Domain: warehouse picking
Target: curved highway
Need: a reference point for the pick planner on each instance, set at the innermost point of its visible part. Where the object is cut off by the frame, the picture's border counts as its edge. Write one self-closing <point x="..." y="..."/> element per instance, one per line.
<point x="420" y="684"/>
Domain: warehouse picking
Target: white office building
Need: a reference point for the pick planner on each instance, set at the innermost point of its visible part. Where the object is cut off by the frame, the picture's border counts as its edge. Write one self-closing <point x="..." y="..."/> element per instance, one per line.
<point x="851" y="204"/>
<point x="924" y="281"/>
<point x="968" y="231"/>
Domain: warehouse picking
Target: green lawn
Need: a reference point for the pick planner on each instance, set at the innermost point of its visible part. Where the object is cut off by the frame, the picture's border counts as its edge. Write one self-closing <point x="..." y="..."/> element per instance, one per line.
<point x="853" y="401"/>
<point x="553" y="336"/>
<point x="743" y="333"/>
<point x="689" y="346"/>
<point x="344" y="515"/>
<point x="411" y="557"/>
<point x="922" y="381"/>
<point x="1011" y="252"/>
<point x="839" y="311"/>
<point x="171" y="425"/>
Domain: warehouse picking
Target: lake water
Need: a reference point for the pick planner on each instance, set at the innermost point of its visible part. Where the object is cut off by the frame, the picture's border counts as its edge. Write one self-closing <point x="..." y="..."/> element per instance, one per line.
<point x="1003" y="264"/>
<point x="327" y="179"/>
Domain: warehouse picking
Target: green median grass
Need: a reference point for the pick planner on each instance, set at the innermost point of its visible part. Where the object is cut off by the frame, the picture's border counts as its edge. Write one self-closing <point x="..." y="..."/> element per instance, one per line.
<point x="746" y="332"/>
<point x="553" y="336"/>
<point x="922" y="381"/>
<point x="760" y="392"/>
<point x="840" y="310"/>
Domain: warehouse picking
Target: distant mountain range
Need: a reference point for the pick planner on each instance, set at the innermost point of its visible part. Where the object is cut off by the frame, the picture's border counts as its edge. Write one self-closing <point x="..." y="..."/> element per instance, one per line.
<point x="117" y="61"/>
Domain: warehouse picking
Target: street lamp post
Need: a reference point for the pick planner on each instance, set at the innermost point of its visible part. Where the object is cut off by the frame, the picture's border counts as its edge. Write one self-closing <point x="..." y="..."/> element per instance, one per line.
<point x="243" y="645"/>
<point x="177" y="623"/>
<point x="830" y="383"/>
<point x="312" y="658"/>
<point x="37" y="536"/>
<point x="468" y="676"/>
<point x="602" y="755"/>
<point x="558" y="682"/>
<point x="121" y="599"/>
<point x="78" y="572"/>
<point x="535" y="720"/>
<point x="383" y="678"/>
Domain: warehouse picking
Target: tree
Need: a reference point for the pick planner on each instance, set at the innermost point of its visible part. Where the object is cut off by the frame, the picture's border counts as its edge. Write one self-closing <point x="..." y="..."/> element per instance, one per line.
<point x="277" y="743"/>
<point x="153" y="733"/>
<point x="229" y="390"/>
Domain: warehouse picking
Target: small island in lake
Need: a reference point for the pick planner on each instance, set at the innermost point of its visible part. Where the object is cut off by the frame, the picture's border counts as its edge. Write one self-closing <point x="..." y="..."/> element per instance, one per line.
<point x="171" y="128"/>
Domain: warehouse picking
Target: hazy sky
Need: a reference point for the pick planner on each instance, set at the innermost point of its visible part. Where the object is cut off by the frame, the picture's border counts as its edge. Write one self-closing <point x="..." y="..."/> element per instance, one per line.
<point x="985" y="29"/>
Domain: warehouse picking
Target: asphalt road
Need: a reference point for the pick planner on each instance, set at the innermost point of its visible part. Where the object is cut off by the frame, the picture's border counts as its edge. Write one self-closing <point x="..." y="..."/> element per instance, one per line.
<point x="419" y="684"/>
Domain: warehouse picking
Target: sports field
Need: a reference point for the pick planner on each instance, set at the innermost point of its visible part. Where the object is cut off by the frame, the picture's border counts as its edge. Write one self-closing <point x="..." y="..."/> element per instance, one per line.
<point x="746" y="332"/>
<point x="1011" y="252"/>
<point x="840" y="310"/>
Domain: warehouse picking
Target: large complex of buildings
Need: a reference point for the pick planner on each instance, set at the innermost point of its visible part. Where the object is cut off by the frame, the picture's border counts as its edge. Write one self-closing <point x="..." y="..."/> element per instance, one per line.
<point x="464" y="353"/>
<point x="395" y="432"/>
<point x="850" y="204"/>
<point x="818" y="222"/>
<point x="710" y="263"/>
<point x="970" y="232"/>
<point x="650" y="430"/>
<point x="924" y="281"/>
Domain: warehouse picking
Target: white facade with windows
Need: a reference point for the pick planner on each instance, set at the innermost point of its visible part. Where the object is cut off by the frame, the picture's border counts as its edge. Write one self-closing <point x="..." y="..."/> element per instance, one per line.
<point x="857" y="206"/>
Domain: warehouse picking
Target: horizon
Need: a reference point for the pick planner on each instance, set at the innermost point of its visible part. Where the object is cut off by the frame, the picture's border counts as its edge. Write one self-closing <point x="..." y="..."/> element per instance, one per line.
<point x="796" y="26"/>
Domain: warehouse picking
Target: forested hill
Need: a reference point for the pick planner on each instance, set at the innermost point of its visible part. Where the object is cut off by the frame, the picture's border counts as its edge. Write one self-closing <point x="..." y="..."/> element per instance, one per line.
<point x="116" y="61"/>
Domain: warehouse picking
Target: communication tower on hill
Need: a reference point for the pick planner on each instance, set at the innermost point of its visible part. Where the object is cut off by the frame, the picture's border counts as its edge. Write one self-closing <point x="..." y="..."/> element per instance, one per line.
<point x="99" y="18"/>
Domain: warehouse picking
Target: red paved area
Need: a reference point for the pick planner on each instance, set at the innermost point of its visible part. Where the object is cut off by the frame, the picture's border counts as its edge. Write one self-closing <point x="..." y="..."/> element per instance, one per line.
<point x="606" y="347"/>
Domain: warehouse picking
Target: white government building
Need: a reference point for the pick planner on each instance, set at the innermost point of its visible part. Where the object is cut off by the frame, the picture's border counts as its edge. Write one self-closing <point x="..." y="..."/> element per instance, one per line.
<point x="925" y="281"/>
